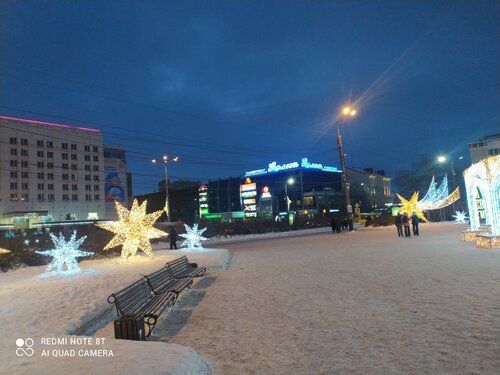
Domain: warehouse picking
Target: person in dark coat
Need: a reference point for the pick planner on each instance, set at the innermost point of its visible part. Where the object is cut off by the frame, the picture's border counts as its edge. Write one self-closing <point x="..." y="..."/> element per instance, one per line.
<point x="332" y="224"/>
<point x="173" y="239"/>
<point x="414" y="223"/>
<point x="399" y="224"/>
<point x="406" y="224"/>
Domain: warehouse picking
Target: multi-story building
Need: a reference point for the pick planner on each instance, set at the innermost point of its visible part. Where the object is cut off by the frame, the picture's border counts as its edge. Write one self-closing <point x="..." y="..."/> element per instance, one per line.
<point x="116" y="180"/>
<point x="484" y="148"/>
<point x="49" y="172"/>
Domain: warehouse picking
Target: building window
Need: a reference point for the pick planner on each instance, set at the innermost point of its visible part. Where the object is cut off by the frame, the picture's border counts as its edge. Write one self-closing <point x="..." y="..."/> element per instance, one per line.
<point x="65" y="187"/>
<point x="24" y="174"/>
<point x="65" y="166"/>
<point x="50" y="154"/>
<point x="50" y="186"/>
<point x="64" y="146"/>
<point x="74" y="157"/>
<point x="13" y="141"/>
<point x="65" y="197"/>
<point x="24" y="186"/>
<point x="87" y="148"/>
<point x="96" y="187"/>
<point x="87" y="177"/>
<point x="65" y="176"/>
<point x="13" y="151"/>
<point x="74" y="197"/>
<point x="13" y="163"/>
<point x="50" y="165"/>
<point x="25" y="197"/>
<point x="96" y="177"/>
<point x="88" y="188"/>
<point x="24" y="152"/>
<point x="40" y="175"/>
<point x="13" y="197"/>
<point x="96" y="158"/>
<point x="41" y="197"/>
<point x="96" y="149"/>
<point x="87" y="157"/>
<point x="39" y="154"/>
<point x="97" y="197"/>
<point x="40" y="164"/>
<point x="50" y="144"/>
<point x="87" y="167"/>
<point x="88" y="197"/>
<point x="74" y="167"/>
<point x="50" y="176"/>
<point x="13" y="185"/>
<point x="13" y="174"/>
<point x="39" y="143"/>
<point x="74" y="177"/>
<point x="73" y="146"/>
<point x="41" y="187"/>
<point x="74" y="187"/>
<point x="96" y="168"/>
<point x="24" y="141"/>
<point x="64" y="155"/>
<point x="24" y="163"/>
<point x="50" y="197"/>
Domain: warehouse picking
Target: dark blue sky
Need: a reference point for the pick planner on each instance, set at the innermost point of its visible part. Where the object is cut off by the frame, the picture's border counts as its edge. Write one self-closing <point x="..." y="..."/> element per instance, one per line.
<point x="233" y="85"/>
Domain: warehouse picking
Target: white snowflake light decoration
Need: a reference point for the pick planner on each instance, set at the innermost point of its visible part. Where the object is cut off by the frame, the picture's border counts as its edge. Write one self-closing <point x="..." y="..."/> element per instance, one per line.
<point x="460" y="216"/>
<point x="65" y="253"/>
<point x="193" y="237"/>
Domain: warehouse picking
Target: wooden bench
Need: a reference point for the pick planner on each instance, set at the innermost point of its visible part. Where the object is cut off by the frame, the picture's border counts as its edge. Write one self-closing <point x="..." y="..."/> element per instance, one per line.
<point x="139" y="299"/>
<point x="181" y="268"/>
<point x="163" y="281"/>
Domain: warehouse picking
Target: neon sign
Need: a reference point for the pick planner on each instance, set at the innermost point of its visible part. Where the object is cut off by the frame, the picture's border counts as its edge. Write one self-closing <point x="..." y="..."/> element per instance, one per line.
<point x="304" y="163"/>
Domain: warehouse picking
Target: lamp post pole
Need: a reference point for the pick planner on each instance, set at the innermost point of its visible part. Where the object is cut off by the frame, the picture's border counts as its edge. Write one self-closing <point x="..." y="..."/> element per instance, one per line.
<point x="289" y="181"/>
<point x="165" y="166"/>
<point x="346" y="112"/>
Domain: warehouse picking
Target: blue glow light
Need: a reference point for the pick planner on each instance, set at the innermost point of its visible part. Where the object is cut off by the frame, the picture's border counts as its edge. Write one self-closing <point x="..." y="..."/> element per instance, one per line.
<point x="274" y="167"/>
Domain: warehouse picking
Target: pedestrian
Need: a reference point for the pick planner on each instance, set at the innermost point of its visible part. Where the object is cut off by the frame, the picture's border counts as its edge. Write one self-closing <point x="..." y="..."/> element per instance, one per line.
<point x="406" y="224"/>
<point x="332" y="224"/>
<point x="399" y="224"/>
<point x="173" y="238"/>
<point x="345" y="224"/>
<point x="414" y="223"/>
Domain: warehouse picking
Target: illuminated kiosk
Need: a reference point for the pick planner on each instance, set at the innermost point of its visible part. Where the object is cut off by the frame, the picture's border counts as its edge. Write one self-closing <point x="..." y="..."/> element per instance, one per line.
<point x="482" y="181"/>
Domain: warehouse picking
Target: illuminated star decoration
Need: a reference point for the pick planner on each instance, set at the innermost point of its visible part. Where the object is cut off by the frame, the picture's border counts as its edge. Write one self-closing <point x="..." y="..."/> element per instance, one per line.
<point x="4" y="251"/>
<point x="65" y="253"/>
<point x="411" y="206"/>
<point x="133" y="230"/>
<point x="460" y="216"/>
<point x="193" y="237"/>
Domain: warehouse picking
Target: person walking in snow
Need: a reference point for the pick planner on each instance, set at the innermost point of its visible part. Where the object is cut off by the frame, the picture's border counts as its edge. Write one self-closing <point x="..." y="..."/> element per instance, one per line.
<point x="399" y="224"/>
<point x="173" y="239"/>
<point x="406" y="224"/>
<point x="414" y="223"/>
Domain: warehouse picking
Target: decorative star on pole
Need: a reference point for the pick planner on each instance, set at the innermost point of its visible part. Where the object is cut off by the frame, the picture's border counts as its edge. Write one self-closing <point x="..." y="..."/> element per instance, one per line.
<point x="460" y="216"/>
<point x="134" y="229"/>
<point x="193" y="237"/>
<point x="4" y="251"/>
<point x="65" y="253"/>
<point x="411" y="206"/>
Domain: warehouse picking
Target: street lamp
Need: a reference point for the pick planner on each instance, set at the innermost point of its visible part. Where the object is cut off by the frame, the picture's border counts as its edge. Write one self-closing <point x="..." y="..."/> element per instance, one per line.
<point x="166" y="160"/>
<point x="290" y="181"/>
<point x="347" y="112"/>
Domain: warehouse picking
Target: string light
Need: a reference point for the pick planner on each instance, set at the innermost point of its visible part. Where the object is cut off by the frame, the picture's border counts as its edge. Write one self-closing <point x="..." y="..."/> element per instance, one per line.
<point x="4" y="251"/>
<point x="65" y="253"/>
<point x="133" y="230"/>
<point x="193" y="236"/>
<point x="411" y="206"/>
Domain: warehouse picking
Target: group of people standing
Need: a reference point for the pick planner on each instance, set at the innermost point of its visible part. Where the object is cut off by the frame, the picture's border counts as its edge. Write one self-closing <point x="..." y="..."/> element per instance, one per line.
<point x="404" y="221"/>
<point x="337" y="225"/>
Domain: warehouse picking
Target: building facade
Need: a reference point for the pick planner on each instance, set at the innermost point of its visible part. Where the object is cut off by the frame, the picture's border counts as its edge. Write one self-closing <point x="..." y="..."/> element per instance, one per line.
<point x="49" y="173"/>
<point x="116" y="181"/>
<point x="484" y="148"/>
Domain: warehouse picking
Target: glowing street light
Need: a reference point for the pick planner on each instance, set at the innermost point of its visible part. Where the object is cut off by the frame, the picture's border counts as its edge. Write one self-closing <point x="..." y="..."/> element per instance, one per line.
<point x="347" y="112"/>
<point x="166" y="160"/>
<point x="290" y="181"/>
<point x="441" y="159"/>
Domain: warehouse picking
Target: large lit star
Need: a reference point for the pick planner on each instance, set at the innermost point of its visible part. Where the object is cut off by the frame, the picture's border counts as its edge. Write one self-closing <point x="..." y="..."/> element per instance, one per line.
<point x="65" y="253"/>
<point x="193" y="237"/>
<point x="133" y="230"/>
<point x="411" y="206"/>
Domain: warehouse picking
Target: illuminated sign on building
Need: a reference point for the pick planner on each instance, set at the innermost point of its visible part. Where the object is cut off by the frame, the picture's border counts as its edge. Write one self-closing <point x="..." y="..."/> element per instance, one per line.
<point x="266" y="193"/>
<point x="203" y="199"/>
<point x="304" y="163"/>
<point x="248" y="192"/>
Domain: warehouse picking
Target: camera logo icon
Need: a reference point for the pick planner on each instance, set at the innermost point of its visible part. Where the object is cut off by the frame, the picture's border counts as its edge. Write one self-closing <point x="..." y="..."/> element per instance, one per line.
<point x="24" y="347"/>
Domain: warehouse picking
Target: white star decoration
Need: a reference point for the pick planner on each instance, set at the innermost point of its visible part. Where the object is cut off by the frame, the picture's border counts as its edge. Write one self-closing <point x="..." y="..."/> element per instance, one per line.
<point x="193" y="237"/>
<point x="65" y="253"/>
<point x="460" y="216"/>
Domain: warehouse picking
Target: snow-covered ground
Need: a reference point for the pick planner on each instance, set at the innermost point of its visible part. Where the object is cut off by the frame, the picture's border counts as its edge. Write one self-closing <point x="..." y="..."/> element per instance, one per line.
<point x="364" y="302"/>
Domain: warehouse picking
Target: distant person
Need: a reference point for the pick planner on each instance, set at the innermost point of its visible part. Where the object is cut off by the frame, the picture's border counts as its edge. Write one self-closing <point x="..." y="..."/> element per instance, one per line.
<point x="173" y="239"/>
<point x="350" y="224"/>
<point x="345" y="223"/>
<point x="414" y="223"/>
<point x="398" y="220"/>
<point x="406" y="224"/>
<point x="333" y="225"/>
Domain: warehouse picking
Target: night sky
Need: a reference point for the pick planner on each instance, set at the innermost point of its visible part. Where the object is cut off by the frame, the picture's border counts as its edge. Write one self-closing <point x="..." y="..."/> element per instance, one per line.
<point x="230" y="86"/>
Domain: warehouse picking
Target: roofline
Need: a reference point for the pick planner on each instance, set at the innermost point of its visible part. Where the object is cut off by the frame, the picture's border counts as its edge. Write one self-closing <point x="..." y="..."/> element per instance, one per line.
<point x="49" y="124"/>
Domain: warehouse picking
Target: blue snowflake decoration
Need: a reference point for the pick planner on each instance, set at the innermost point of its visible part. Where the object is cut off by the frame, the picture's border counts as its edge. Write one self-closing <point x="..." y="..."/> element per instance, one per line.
<point x="460" y="216"/>
<point x="193" y="237"/>
<point x="65" y="253"/>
